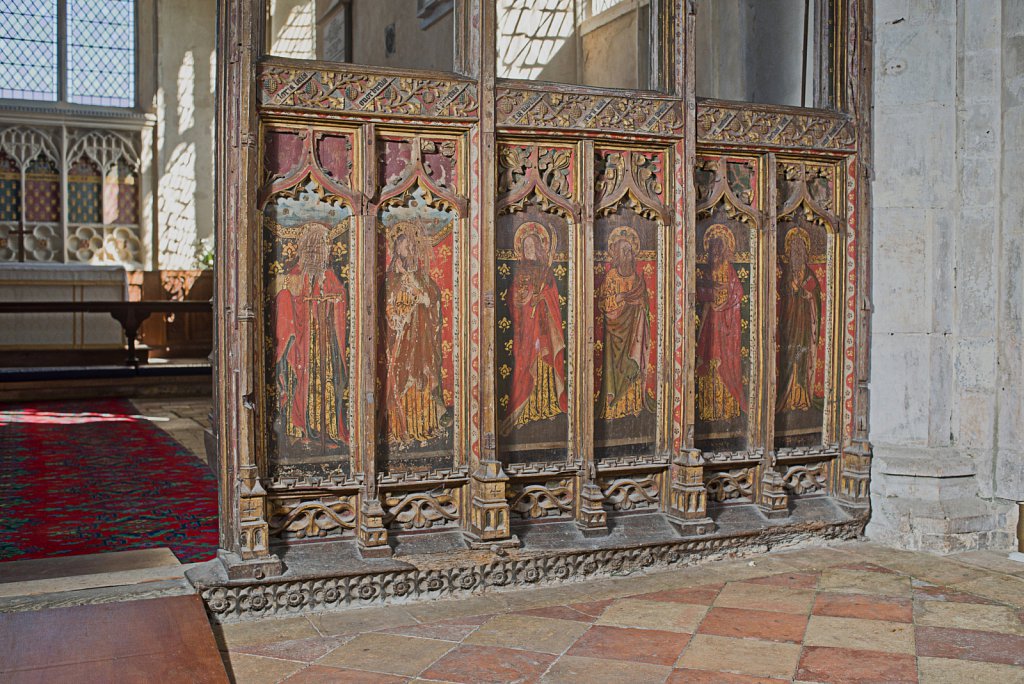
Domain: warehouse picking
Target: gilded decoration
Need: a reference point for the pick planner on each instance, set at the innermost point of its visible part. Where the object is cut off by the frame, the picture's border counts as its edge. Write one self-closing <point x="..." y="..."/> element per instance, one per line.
<point x="718" y="123"/>
<point x="336" y="90"/>
<point x="540" y="109"/>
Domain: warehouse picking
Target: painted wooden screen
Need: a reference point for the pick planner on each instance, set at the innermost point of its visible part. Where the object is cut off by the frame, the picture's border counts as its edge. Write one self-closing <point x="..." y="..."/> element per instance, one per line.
<point x="451" y="302"/>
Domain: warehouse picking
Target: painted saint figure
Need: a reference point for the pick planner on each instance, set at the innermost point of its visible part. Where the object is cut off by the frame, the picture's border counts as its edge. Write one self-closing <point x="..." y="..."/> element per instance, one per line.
<point x="624" y="303"/>
<point x="719" y="371"/>
<point x="311" y="317"/>
<point x="413" y="403"/>
<point x="799" y="325"/>
<point x="538" y="343"/>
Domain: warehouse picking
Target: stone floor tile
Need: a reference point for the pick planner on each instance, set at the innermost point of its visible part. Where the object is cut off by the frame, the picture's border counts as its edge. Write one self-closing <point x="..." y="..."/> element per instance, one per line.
<point x="592" y="608"/>
<point x="558" y="613"/>
<point x="948" y="671"/>
<point x="674" y="617"/>
<point x="701" y="596"/>
<point x="849" y="666"/>
<point x="387" y="653"/>
<point x="361" y="620"/>
<point x="576" y="669"/>
<point x="864" y="606"/>
<point x="760" y="597"/>
<point x="527" y="632"/>
<point x="965" y="644"/>
<point x="263" y="632"/>
<point x="943" y="571"/>
<point x="867" y="567"/>
<point x="318" y="674"/>
<point x="986" y="559"/>
<point x="867" y="635"/>
<point x="926" y="591"/>
<point x="468" y="664"/>
<point x="641" y="645"/>
<point x="985" y="618"/>
<point x="741" y="656"/>
<point x="687" y="676"/>
<point x="756" y="624"/>
<point x="541" y="598"/>
<point x="455" y="629"/>
<point x="1002" y="588"/>
<point x="793" y="580"/>
<point x="249" y="669"/>
<point x="452" y="608"/>
<point x="301" y="650"/>
<point x="861" y="582"/>
<point x="816" y="559"/>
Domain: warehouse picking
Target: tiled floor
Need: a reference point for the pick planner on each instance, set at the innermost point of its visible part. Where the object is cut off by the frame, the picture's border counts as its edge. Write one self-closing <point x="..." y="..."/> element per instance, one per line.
<point x="183" y="419"/>
<point x="854" y="613"/>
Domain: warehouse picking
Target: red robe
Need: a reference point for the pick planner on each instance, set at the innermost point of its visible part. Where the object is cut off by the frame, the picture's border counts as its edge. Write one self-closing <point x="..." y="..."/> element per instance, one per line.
<point x="312" y="371"/>
<point x="799" y="330"/>
<point x="720" y="333"/>
<point x="536" y="333"/>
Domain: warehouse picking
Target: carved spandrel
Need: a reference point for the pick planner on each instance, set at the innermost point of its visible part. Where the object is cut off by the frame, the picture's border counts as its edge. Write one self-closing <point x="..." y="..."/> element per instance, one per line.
<point x="717" y="123"/>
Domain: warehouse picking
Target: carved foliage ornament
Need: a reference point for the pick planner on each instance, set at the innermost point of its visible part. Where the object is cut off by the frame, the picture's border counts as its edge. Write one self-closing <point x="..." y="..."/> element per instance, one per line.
<point x="716" y="123"/>
<point x="529" y="108"/>
<point x="737" y="483"/>
<point x="421" y="510"/>
<point x="312" y="518"/>
<point x="540" y="500"/>
<point x="626" y="494"/>
<point x="337" y="90"/>
<point x="806" y="479"/>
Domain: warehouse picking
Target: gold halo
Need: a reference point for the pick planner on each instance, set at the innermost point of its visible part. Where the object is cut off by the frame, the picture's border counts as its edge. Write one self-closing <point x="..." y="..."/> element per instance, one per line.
<point x="628" y="234"/>
<point x="797" y="233"/>
<point x="722" y="231"/>
<point x="532" y="228"/>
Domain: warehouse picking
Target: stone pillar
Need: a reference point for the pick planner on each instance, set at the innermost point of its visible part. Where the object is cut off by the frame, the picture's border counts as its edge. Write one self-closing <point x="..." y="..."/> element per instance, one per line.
<point x="944" y="408"/>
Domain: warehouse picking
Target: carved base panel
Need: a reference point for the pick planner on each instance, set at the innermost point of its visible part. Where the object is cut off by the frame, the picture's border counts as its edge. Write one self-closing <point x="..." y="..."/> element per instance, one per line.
<point x="330" y="576"/>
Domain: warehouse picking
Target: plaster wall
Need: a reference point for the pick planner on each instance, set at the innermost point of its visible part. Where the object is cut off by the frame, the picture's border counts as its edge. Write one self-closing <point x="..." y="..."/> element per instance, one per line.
<point x="947" y="402"/>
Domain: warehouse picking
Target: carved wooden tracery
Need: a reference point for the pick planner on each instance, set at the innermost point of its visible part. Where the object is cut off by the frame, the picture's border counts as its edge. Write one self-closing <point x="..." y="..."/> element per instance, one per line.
<point x="438" y="203"/>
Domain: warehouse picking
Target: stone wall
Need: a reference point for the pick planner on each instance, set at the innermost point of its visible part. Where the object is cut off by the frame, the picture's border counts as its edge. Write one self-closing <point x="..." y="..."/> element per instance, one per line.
<point x="946" y="418"/>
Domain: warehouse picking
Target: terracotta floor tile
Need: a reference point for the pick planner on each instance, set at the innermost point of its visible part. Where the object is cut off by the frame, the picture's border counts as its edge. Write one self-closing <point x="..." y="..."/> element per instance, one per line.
<point x="455" y="629"/>
<point x="867" y="635"/>
<point x="528" y="632"/>
<point x="252" y="669"/>
<point x="985" y="618"/>
<point x="862" y="582"/>
<point x="947" y="671"/>
<point x="761" y="597"/>
<point x="318" y="674"/>
<point x="756" y="624"/>
<point x="301" y="650"/>
<point x="558" y="613"/>
<point x="685" y="676"/>
<point x="849" y="666"/>
<point x="965" y="644"/>
<point x="741" y="656"/>
<point x="794" y="580"/>
<point x="642" y="645"/>
<point x="575" y="669"/>
<point x="592" y="608"/>
<point x="1002" y="588"/>
<point x="674" y="617"/>
<point x="387" y="653"/>
<point x="489" y="664"/>
<point x="702" y="596"/>
<point x="864" y="606"/>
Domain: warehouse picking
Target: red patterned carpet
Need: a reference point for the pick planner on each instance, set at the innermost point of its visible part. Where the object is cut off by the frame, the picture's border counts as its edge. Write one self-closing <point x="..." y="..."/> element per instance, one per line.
<point x="81" y="477"/>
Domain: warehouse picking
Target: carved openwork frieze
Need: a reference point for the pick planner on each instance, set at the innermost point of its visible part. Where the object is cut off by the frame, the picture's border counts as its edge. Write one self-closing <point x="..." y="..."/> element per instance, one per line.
<point x="807" y="479"/>
<point x="737" y="483"/>
<point x="421" y="510"/>
<point x="545" y="109"/>
<point x="532" y="500"/>
<point x="322" y="517"/>
<point x="718" y="123"/>
<point x="336" y="90"/>
<point x="631" y="493"/>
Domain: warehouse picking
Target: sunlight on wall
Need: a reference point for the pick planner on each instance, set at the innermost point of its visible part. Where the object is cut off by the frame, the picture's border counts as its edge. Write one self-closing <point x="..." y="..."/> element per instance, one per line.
<point x="530" y="34"/>
<point x="178" y="209"/>
<point x="293" y="28"/>
<point x="186" y="93"/>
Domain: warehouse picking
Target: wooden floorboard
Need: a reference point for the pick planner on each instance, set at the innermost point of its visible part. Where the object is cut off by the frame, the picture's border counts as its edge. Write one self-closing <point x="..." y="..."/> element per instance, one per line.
<point x="156" y="640"/>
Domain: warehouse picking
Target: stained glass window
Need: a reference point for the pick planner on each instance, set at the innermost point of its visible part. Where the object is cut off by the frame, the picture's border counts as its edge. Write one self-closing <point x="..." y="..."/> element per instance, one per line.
<point x="101" y="52"/>
<point x="28" y="49"/>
